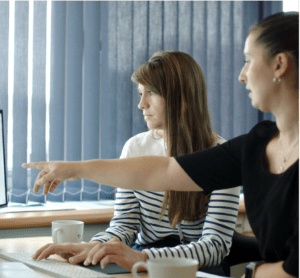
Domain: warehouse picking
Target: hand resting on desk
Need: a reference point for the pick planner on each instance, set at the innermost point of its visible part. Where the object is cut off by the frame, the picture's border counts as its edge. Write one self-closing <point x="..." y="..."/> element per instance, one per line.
<point x="93" y="252"/>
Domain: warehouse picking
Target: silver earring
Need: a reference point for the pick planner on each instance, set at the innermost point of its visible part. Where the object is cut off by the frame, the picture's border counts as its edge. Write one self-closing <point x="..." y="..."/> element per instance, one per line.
<point x="275" y="80"/>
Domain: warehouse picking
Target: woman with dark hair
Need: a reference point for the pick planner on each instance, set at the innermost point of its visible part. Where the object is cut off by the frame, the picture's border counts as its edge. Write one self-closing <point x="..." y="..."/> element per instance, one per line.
<point x="265" y="161"/>
<point x="168" y="224"/>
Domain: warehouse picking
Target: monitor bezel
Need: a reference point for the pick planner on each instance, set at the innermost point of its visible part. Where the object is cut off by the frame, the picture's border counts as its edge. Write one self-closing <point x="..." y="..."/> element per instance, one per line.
<point x="4" y="161"/>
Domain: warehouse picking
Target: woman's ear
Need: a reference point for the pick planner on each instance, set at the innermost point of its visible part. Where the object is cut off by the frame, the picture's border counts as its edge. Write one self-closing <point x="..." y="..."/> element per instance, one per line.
<point x="283" y="65"/>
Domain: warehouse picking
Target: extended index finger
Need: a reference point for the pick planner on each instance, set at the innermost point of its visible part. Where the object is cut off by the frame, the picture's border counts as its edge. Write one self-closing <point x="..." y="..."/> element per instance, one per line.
<point x="35" y="165"/>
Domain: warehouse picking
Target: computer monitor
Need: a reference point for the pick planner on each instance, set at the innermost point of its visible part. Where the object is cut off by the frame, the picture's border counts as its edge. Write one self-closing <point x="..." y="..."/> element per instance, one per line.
<point x="3" y="185"/>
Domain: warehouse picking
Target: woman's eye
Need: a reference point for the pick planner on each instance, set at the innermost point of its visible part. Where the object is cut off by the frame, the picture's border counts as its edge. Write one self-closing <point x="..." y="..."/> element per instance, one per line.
<point x="247" y="61"/>
<point x="149" y="92"/>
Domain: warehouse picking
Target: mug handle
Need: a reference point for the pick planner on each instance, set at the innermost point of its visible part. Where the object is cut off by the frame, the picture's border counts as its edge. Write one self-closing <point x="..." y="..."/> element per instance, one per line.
<point x="54" y="234"/>
<point x="135" y="268"/>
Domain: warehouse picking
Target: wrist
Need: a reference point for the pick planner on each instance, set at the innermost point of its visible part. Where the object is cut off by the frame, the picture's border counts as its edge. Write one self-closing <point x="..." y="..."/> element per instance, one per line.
<point x="80" y="169"/>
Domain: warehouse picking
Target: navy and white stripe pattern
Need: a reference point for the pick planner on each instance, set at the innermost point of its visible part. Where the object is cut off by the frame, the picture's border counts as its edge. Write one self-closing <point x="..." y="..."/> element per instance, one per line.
<point x="136" y="216"/>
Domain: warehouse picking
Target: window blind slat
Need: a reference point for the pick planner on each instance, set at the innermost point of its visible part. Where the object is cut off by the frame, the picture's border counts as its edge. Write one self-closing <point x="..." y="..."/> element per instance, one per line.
<point x="108" y="92"/>
<point x="38" y="91"/>
<point x="199" y="34"/>
<point x="239" y="92"/>
<point x="170" y="25"/>
<point x="185" y="27"/>
<point x="74" y="51"/>
<point x="213" y="61"/>
<point x="124" y="85"/>
<point x="91" y="94"/>
<point x="270" y="7"/>
<point x="20" y="101"/>
<point x="275" y="7"/>
<point x="57" y="88"/>
<point x="123" y="71"/>
<point x="155" y="27"/>
<point x="226" y="66"/>
<point x="4" y="35"/>
<point x="139" y="56"/>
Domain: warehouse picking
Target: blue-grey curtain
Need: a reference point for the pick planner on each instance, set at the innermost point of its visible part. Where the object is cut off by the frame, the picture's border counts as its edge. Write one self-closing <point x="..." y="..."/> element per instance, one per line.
<point x="95" y="47"/>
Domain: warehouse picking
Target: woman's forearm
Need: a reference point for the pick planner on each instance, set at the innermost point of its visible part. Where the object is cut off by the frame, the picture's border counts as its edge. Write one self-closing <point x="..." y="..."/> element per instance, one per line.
<point x="154" y="173"/>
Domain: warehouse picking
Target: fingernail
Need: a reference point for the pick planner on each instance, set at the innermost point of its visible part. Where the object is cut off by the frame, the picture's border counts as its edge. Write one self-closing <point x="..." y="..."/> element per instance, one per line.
<point x="102" y="266"/>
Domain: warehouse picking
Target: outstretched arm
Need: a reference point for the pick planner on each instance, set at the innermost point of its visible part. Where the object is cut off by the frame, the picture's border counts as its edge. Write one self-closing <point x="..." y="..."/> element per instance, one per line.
<point x="140" y="173"/>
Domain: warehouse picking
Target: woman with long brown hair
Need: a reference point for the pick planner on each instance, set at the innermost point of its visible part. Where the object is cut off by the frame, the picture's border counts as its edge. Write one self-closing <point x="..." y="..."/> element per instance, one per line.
<point x="169" y="224"/>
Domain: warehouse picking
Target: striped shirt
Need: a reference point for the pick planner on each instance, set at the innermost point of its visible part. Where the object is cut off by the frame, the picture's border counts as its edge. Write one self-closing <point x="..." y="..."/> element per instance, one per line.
<point x="136" y="217"/>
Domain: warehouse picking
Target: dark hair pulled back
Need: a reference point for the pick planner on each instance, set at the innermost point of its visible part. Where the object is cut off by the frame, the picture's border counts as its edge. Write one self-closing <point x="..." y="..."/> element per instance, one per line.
<point x="279" y="33"/>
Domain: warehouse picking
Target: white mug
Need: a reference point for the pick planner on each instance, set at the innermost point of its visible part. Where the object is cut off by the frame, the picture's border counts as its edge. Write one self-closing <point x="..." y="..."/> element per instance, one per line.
<point x="64" y="231"/>
<point x="168" y="268"/>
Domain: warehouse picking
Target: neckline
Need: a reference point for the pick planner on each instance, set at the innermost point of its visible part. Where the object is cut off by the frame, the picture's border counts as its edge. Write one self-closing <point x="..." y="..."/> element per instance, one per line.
<point x="156" y="135"/>
<point x="263" y="155"/>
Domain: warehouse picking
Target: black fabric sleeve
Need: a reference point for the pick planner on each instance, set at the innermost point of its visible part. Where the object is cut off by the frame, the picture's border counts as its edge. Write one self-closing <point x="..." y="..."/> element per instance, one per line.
<point x="217" y="167"/>
<point x="291" y="264"/>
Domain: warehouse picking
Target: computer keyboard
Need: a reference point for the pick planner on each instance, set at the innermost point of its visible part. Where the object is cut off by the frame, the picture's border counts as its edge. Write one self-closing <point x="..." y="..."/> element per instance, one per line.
<point x="60" y="269"/>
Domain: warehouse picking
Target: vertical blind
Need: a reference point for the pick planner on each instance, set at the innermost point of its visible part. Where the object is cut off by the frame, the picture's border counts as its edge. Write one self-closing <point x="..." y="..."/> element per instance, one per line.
<point x="65" y="77"/>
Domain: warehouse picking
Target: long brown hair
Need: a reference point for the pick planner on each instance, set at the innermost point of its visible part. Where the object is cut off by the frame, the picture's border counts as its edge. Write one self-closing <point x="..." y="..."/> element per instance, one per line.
<point x="177" y="78"/>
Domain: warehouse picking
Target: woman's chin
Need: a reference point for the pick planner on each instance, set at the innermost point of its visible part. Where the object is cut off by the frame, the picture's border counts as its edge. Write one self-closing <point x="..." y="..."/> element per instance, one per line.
<point x="260" y="107"/>
<point x="152" y="126"/>
<point x="254" y="105"/>
<point x="253" y="101"/>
